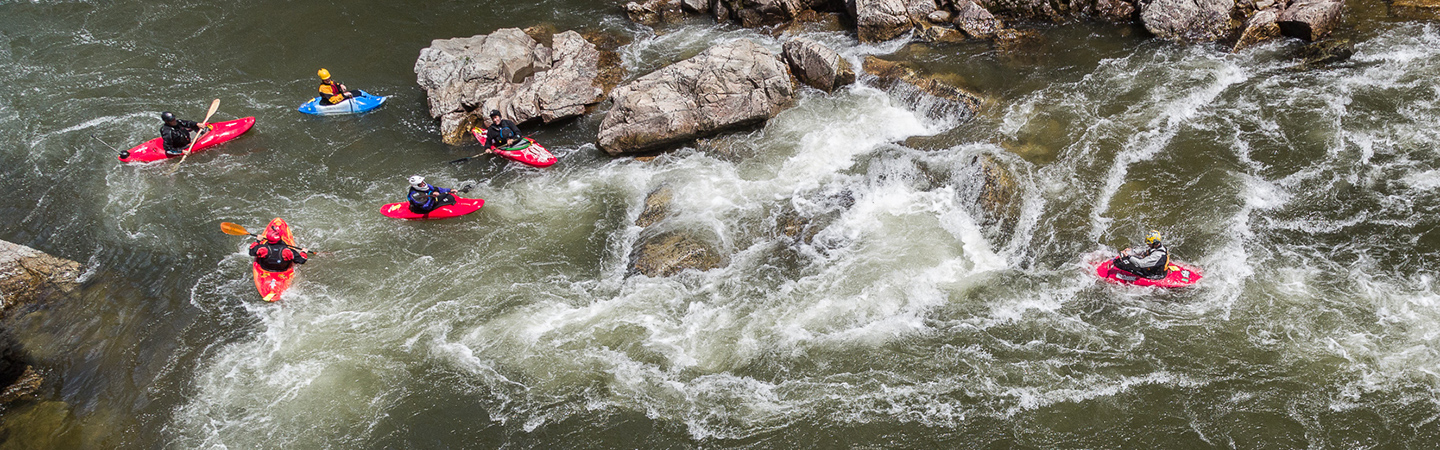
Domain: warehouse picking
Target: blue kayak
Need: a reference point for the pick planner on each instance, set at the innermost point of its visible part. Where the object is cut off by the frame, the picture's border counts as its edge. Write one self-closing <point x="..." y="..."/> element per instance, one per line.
<point x="362" y="102"/>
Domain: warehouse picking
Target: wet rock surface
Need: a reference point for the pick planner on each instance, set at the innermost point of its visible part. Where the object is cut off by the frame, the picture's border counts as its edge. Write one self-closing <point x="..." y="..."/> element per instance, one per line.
<point x="933" y="96"/>
<point x="27" y="277"/>
<point x="510" y="71"/>
<point x="1262" y="27"/>
<point x="1189" y="20"/>
<point x="1311" y="20"/>
<point x="731" y="85"/>
<point x="817" y="65"/>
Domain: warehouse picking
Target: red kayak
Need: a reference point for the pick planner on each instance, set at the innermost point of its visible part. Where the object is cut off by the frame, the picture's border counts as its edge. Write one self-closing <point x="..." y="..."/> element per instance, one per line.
<point x="529" y="153"/>
<point x="461" y="207"/>
<point x="154" y="150"/>
<point x="1177" y="275"/>
<point x="272" y="284"/>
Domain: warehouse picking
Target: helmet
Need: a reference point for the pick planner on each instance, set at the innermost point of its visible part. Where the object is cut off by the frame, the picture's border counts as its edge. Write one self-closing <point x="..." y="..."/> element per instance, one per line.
<point x="273" y="234"/>
<point x="417" y="182"/>
<point x="494" y="113"/>
<point x="167" y="116"/>
<point x="324" y="74"/>
<point x="1152" y="238"/>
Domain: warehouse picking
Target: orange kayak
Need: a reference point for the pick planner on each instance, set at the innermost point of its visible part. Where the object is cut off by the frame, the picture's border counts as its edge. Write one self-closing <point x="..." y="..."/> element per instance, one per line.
<point x="272" y="284"/>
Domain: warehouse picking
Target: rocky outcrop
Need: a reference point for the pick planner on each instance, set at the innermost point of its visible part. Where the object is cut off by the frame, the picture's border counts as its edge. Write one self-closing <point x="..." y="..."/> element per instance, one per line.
<point x="510" y="71"/>
<point x="881" y="20"/>
<point x="1189" y="20"/>
<point x="1311" y="20"/>
<point x="976" y="21"/>
<point x="1263" y="26"/>
<point x="655" y="12"/>
<point x="759" y="13"/>
<point x="1416" y="9"/>
<point x="817" y="65"/>
<point x="930" y="95"/>
<point x="657" y="206"/>
<point x="728" y="86"/>
<point x="668" y="253"/>
<point x="27" y="276"/>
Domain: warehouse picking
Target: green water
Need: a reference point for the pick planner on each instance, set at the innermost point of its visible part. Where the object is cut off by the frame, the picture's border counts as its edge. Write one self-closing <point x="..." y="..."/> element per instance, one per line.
<point x="905" y="322"/>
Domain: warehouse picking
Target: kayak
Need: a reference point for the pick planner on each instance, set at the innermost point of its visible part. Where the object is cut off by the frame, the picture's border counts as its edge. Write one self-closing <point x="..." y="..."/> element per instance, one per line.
<point x="1177" y="275"/>
<point x="529" y="152"/>
<point x="272" y="284"/>
<point x="461" y="207"/>
<point x="362" y="102"/>
<point x="154" y="150"/>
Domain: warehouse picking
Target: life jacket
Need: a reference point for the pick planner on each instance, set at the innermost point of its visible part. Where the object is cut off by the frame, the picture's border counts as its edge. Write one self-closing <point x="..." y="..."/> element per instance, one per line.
<point x="1159" y="271"/>
<point x="177" y="137"/>
<point x="276" y="257"/>
<point x="330" y="92"/>
<point x="502" y="132"/>
<point x="420" y="200"/>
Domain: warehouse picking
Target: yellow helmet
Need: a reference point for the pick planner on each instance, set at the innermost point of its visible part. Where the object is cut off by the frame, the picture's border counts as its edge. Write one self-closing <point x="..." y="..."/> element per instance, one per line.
<point x="1152" y="238"/>
<point x="324" y="74"/>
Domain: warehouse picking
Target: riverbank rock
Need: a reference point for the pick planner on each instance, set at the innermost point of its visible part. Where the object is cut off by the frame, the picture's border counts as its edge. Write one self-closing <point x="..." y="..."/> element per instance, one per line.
<point x="817" y="65"/>
<point x="1311" y="20"/>
<point x="27" y="276"/>
<point x="1263" y="26"/>
<point x="1189" y="20"/>
<point x="510" y="71"/>
<point x="1416" y="9"/>
<point x="655" y="12"/>
<point x="728" y="86"/>
<point x="976" y="21"/>
<point x="882" y="20"/>
<point x="930" y="95"/>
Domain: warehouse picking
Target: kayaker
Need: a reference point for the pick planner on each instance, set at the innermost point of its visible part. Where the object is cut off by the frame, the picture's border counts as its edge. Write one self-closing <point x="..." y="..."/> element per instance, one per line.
<point x="273" y="254"/>
<point x="175" y="133"/>
<point x="1149" y="262"/>
<point x="425" y="198"/>
<point x="331" y="91"/>
<point x="502" y="133"/>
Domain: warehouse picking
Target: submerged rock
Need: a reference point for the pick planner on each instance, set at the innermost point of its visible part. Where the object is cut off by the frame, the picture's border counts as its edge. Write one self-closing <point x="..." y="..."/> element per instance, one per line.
<point x="1416" y="9"/>
<point x="657" y="206"/>
<point x="668" y="253"/>
<point x="992" y="188"/>
<point x="1311" y="20"/>
<point x="1324" y="52"/>
<point x="817" y="65"/>
<point x="931" y="95"/>
<point x="1189" y="20"/>
<point x="27" y="276"/>
<point x="730" y="85"/>
<point x="510" y="71"/>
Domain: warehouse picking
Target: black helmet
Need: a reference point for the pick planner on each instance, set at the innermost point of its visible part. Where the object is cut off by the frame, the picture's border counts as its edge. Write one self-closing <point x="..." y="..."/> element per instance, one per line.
<point x="167" y="116"/>
<point x="494" y="113"/>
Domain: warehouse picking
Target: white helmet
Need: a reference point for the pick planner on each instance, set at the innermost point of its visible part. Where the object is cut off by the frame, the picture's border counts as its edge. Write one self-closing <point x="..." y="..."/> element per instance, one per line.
<point x="417" y="182"/>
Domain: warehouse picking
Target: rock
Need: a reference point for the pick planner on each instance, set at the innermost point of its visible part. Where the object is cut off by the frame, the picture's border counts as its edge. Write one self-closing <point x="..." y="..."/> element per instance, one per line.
<point x="1416" y="9"/>
<point x="975" y="20"/>
<point x="1189" y="20"/>
<point x="933" y="97"/>
<point x="759" y="13"/>
<point x="1261" y="27"/>
<point x="28" y="275"/>
<point x="510" y="71"/>
<point x="817" y="65"/>
<point x="809" y="21"/>
<point x="1311" y="20"/>
<point x="655" y="12"/>
<point x="668" y="253"/>
<point x="1322" y="53"/>
<point x="657" y="206"/>
<point x="1115" y="10"/>
<point x="23" y="387"/>
<point x="696" y="6"/>
<point x="992" y="188"/>
<point x="945" y="35"/>
<point x="882" y="20"/>
<point x="940" y="16"/>
<point x="728" y="86"/>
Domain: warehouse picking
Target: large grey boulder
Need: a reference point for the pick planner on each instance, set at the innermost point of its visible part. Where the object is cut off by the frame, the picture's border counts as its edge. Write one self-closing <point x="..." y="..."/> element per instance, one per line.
<point x="975" y="20"/>
<point x="1189" y="20"/>
<point x="881" y="20"/>
<point x="817" y="65"/>
<point x="510" y="71"/>
<point x="1311" y="20"/>
<point x="730" y="85"/>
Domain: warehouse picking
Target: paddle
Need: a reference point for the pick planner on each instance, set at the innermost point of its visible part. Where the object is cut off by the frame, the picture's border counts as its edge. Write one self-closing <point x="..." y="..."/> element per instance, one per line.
<point x="467" y="158"/>
<point x="107" y="144"/>
<point x="214" y="105"/>
<point x="235" y="229"/>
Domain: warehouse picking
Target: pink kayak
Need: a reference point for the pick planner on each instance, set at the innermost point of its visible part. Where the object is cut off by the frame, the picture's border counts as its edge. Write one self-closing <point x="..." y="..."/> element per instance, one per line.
<point x="154" y="150"/>
<point x="461" y="207"/>
<point x="1177" y="275"/>
<point x="532" y="154"/>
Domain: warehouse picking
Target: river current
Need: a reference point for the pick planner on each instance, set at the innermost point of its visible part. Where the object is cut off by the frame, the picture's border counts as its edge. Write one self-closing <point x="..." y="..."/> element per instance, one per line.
<point x="1306" y="193"/>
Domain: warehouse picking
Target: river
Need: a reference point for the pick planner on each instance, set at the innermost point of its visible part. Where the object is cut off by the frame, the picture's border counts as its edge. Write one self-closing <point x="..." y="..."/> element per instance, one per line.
<point x="1307" y="194"/>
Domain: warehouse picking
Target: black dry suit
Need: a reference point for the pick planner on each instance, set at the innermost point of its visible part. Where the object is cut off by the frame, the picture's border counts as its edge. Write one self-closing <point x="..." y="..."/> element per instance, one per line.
<point x="1148" y="262"/>
<point x="498" y="134"/>
<point x="276" y="257"/>
<point x="422" y="201"/>
<point x="177" y="137"/>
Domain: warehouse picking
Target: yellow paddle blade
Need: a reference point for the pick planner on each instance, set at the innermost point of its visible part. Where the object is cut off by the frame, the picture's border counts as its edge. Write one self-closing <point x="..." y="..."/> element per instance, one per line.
<point x="233" y="228"/>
